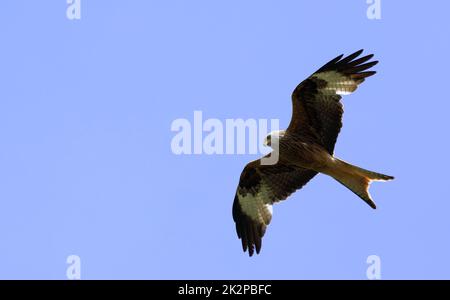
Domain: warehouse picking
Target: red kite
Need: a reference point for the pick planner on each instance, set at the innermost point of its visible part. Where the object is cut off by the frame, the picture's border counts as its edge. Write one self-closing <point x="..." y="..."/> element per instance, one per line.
<point x="304" y="149"/>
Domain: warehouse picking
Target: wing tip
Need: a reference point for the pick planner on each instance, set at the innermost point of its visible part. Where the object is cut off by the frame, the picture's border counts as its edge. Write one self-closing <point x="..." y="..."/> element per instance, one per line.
<point x="362" y="75"/>
<point x="359" y="52"/>
<point x="351" y="64"/>
<point x="247" y="230"/>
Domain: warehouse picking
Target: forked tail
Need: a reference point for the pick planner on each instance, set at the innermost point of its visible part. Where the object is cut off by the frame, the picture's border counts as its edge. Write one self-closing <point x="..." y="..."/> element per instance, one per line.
<point x="357" y="179"/>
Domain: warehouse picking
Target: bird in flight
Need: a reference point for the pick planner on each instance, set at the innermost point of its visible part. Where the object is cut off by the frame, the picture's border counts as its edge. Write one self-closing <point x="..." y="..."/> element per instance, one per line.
<point x="304" y="149"/>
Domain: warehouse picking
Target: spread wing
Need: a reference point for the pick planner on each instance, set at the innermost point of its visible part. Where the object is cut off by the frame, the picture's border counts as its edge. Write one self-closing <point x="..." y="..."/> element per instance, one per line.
<point x="317" y="109"/>
<point x="259" y="187"/>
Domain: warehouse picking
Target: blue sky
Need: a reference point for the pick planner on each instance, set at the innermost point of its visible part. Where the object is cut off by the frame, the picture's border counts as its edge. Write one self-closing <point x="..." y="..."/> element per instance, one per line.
<point x="86" y="166"/>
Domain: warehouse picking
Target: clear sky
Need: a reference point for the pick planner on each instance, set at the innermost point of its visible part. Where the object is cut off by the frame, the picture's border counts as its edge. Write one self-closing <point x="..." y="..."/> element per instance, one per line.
<point x="86" y="166"/>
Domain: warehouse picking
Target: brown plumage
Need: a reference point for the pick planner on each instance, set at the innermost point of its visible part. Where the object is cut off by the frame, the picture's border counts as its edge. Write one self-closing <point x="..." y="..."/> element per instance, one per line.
<point x="304" y="149"/>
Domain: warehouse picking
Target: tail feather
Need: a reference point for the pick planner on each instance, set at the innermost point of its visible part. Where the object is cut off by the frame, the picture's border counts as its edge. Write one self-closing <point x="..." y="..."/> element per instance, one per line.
<point x="357" y="179"/>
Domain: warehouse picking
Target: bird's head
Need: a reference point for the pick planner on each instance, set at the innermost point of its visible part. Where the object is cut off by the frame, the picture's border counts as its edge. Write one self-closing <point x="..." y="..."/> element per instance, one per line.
<point x="274" y="137"/>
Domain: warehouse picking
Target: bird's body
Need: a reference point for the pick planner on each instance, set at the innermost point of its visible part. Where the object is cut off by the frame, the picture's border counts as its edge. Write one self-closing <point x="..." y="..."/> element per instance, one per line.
<point x="298" y="151"/>
<point x="304" y="149"/>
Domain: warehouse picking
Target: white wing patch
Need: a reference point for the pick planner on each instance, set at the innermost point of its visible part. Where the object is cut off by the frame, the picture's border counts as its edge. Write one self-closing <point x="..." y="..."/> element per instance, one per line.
<point x="257" y="206"/>
<point x="337" y="83"/>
